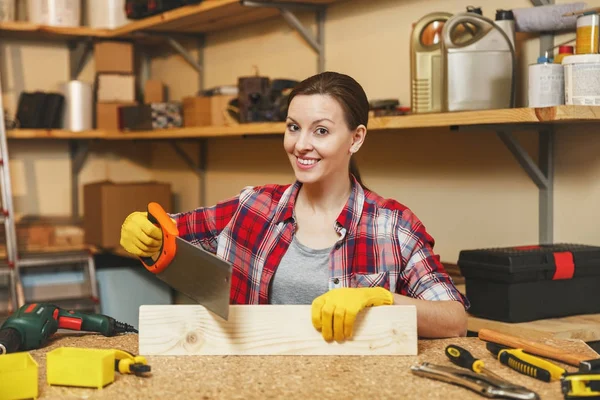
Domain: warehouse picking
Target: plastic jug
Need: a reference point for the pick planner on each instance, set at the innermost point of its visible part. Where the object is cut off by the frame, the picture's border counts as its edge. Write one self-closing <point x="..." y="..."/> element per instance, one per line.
<point x="426" y="63"/>
<point x="479" y="63"/>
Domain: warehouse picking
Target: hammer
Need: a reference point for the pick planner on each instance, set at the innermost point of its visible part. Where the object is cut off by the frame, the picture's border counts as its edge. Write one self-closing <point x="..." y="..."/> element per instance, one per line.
<point x="582" y="361"/>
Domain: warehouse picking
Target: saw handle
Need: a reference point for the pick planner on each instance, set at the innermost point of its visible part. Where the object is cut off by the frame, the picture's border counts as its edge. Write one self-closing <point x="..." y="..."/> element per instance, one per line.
<point x="158" y="216"/>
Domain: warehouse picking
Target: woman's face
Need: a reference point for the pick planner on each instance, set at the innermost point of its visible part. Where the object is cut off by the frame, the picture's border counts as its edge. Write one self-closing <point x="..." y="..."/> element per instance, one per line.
<point x="318" y="140"/>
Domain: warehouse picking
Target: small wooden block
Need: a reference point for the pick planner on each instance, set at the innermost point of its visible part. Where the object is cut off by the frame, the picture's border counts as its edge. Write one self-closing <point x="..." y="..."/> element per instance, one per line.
<point x="271" y="330"/>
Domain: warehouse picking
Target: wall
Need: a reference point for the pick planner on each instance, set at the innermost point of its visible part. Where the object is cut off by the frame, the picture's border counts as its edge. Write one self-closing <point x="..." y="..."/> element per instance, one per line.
<point x="465" y="185"/>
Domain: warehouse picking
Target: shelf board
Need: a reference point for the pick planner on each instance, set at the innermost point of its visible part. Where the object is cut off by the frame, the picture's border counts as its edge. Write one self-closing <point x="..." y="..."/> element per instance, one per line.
<point x="207" y="16"/>
<point x="27" y="30"/>
<point x="514" y="116"/>
<point x="509" y="116"/>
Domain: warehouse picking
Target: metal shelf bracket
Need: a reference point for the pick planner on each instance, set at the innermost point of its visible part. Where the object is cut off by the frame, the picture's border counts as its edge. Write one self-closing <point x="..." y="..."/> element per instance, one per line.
<point x="199" y="169"/>
<point x="78" y="53"/>
<point x="79" y="150"/>
<point x="542" y="174"/>
<point x="316" y="43"/>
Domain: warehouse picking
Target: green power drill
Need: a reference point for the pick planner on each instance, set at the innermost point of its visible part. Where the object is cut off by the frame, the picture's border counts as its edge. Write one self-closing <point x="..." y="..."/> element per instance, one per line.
<point x="30" y="327"/>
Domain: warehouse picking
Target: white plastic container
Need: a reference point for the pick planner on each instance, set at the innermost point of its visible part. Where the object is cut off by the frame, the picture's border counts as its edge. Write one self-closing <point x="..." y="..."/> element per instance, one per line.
<point x="79" y="100"/>
<point x="546" y="85"/>
<point x="582" y="79"/>
<point x="106" y="14"/>
<point x="477" y="64"/>
<point x="54" y="12"/>
<point x="7" y="10"/>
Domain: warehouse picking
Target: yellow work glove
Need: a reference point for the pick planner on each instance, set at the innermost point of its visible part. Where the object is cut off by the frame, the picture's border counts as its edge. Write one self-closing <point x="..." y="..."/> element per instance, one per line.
<point x="139" y="236"/>
<point x="334" y="312"/>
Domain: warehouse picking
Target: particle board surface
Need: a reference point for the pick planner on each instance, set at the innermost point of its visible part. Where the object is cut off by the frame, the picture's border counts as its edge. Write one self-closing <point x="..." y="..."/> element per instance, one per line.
<point x="271" y="330"/>
<point x="288" y="377"/>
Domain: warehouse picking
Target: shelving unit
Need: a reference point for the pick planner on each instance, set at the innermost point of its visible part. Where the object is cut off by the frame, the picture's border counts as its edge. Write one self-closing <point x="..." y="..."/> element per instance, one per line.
<point x="213" y="15"/>
<point x="514" y="118"/>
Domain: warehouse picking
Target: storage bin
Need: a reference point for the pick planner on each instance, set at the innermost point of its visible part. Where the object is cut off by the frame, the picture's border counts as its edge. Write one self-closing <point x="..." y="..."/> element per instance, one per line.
<point x="18" y="376"/>
<point x="72" y="366"/>
<point x="526" y="283"/>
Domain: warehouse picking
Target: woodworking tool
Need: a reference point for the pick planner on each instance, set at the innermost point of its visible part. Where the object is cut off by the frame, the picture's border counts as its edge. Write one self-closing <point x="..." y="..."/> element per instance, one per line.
<point x="189" y="269"/>
<point x="463" y="358"/>
<point x="479" y="383"/>
<point x="31" y="325"/>
<point x="580" y="385"/>
<point x="128" y="363"/>
<point x="582" y="361"/>
<point x="526" y="364"/>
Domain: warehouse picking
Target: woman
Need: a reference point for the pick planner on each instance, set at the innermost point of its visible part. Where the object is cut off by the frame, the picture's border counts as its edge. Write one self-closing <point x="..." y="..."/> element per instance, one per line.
<point x="326" y="239"/>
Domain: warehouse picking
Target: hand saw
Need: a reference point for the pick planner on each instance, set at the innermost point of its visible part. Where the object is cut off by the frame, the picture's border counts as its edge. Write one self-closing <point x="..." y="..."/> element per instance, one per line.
<point x="189" y="269"/>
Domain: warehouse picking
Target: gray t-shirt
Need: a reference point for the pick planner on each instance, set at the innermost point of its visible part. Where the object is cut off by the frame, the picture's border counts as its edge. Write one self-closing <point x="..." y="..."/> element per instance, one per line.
<point x="302" y="275"/>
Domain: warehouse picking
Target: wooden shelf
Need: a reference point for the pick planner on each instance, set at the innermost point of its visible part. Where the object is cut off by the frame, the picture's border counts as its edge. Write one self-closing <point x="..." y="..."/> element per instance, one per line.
<point x="515" y="116"/>
<point x="207" y="16"/>
<point x="27" y="30"/>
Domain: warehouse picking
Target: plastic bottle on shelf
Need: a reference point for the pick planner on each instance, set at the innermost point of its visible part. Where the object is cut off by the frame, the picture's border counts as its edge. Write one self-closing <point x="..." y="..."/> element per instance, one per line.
<point x="563" y="51"/>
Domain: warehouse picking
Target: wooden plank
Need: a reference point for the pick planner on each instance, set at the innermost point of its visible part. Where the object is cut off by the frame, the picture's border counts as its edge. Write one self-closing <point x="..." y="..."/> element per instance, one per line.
<point x="28" y="30"/>
<point x="228" y="21"/>
<point x="583" y="327"/>
<point x="205" y="17"/>
<point x="54" y="134"/>
<point x="271" y="330"/>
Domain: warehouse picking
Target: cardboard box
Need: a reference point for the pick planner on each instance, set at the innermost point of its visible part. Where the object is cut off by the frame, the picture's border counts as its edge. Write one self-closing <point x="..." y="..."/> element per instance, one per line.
<point x="112" y="56"/>
<point x="107" y="115"/>
<point x="151" y="116"/>
<point x="205" y="110"/>
<point x="115" y="88"/>
<point x="106" y="204"/>
<point x="218" y="109"/>
<point x="154" y="91"/>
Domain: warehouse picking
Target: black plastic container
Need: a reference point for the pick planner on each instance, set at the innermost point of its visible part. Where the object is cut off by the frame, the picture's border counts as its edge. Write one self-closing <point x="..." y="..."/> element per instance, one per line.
<point x="526" y="283"/>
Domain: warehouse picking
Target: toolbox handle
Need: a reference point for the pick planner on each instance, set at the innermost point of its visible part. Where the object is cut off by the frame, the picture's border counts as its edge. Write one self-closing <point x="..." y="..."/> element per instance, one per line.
<point x="158" y="216"/>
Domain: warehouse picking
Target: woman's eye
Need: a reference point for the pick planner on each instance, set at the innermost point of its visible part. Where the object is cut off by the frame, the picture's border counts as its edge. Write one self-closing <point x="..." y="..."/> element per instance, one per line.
<point x="322" y="131"/>
<point x="292" y="127"/>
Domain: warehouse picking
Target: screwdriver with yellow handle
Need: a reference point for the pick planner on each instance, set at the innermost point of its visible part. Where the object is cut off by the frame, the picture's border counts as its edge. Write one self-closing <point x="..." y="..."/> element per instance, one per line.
<point x="526" y="364"/>
<point x="463" y="358"/>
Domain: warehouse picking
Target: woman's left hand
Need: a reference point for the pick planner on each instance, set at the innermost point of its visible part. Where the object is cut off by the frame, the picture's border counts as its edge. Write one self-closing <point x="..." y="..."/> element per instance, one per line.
<point x="334" y="312"/>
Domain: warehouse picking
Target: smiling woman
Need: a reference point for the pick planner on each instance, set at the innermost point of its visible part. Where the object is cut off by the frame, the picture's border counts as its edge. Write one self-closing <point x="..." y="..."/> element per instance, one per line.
<point x="324" y="240"/>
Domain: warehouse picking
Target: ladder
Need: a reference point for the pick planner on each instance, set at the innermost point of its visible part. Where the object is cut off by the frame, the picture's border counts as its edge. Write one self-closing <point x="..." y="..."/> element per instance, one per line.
<point x="11" y="268"/>
<point x="13" y="265"/>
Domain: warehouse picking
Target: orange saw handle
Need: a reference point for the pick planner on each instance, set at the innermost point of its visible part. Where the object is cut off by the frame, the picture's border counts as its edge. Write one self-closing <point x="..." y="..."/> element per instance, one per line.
<point x="158" y="216"/>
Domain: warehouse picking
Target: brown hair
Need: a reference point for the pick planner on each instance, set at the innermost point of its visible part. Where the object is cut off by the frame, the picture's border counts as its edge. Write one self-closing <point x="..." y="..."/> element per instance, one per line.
<point x="349" y="94"/>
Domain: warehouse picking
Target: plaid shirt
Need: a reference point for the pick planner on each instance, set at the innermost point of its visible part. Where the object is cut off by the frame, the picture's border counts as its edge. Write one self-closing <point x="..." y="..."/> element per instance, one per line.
<point x="382" y="243"/>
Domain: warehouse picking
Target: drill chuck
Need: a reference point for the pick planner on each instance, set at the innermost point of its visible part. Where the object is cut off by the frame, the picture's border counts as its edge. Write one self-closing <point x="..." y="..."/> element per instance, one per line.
<point x="121" y="327"/>
<point x="10" y="340"/>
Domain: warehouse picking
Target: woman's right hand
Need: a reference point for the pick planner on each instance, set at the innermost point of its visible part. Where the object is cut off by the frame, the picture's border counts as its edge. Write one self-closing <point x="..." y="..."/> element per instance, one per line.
<point x="139" y="236"/>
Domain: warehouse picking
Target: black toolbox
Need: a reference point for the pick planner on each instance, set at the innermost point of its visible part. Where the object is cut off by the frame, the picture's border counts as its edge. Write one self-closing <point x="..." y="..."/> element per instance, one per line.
<point x="526" y="283"/>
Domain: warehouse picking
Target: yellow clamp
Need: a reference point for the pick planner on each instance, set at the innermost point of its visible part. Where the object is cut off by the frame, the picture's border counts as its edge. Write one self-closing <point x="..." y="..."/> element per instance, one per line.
<point x="126" y="360"/>
<point x="580" y="384"/>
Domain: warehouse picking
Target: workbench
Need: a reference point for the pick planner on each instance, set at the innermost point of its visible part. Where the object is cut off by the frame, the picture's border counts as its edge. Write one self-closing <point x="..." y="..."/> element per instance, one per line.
<point x="289" y="377"/>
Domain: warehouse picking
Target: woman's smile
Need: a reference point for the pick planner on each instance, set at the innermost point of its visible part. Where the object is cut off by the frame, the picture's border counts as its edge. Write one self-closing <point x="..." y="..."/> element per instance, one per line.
<point x="306" y="163"/>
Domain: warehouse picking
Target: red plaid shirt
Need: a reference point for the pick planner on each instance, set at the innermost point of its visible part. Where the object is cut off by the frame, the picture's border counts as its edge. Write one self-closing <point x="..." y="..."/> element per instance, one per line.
<point x="382" y="243"/>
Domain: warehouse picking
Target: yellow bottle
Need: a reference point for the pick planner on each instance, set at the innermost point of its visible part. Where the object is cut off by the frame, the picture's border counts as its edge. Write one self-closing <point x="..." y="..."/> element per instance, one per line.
<point x="587" y="34"/>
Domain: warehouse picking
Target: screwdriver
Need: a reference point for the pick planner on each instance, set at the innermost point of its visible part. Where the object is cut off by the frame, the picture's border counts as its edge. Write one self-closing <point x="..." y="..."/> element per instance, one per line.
<point x="463" y="358"/>
<point x="526" y="364"/>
